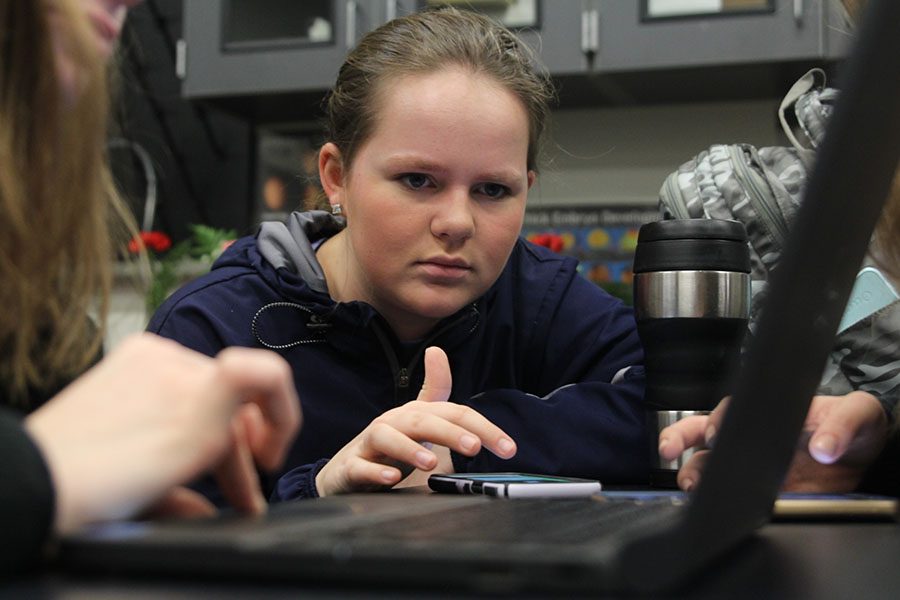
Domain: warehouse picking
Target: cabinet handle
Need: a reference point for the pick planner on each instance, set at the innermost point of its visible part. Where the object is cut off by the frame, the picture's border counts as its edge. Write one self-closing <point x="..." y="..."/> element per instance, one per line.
<point x="391" y="10"/>
<point x="181" y="59"/>
<point x="351" y="23"/>
<point x="590" y="30"/>
<point x="798" y="12"/>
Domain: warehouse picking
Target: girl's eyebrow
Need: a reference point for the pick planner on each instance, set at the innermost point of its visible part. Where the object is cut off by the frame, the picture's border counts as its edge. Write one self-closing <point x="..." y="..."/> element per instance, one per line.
<point x="413" y="163"/>
<point x="417" y="163"/>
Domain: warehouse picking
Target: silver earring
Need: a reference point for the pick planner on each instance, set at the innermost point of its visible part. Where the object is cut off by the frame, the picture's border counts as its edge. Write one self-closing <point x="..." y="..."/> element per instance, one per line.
<point x="336" y="209"/>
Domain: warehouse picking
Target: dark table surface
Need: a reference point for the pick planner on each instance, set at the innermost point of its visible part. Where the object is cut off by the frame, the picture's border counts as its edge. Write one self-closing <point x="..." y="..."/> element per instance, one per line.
<point x="781" y="560"/>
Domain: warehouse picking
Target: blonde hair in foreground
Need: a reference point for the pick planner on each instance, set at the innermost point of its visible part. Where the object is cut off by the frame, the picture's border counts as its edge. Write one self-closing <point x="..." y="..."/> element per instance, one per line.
<point x="56" y="198"/>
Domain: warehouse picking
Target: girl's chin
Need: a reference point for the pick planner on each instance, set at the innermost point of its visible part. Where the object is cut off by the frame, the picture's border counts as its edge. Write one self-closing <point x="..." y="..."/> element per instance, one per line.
<point x="439" y="308"/>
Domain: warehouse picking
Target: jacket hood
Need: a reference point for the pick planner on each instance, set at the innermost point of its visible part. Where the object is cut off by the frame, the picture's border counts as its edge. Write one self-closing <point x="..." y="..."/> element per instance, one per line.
<point x="282" y="254"/>
<point x="289" y="245"/>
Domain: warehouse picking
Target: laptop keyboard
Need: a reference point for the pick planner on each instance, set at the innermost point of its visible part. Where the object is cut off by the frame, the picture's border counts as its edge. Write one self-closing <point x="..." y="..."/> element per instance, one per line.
<point x="522" y="520"/>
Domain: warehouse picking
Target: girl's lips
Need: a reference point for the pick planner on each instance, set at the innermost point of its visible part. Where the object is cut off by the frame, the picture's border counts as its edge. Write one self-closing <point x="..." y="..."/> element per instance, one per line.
<point x="445" y="271"/>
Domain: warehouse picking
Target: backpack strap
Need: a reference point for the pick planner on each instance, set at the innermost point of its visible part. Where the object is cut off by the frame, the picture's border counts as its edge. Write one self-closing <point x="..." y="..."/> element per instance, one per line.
<point x="803" y="112"/>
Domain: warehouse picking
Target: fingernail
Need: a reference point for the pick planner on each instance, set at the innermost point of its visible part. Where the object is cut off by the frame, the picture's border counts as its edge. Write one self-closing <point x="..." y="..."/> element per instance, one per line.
<point x="662" y="444"/>
<point x="505" y="446"/>
<point x="468" y="441"/>
<point x="687" y="484"/>
<point x="709" y="435"/>
<point x="387" y="475"/>
<point x="824" y="445"/>
<point x="424" y="459"/>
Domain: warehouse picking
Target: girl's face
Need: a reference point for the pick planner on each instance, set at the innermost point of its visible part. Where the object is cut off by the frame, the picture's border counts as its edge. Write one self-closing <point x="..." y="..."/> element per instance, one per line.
<point x="105" y="18"/>
<point x="435" y="198"/>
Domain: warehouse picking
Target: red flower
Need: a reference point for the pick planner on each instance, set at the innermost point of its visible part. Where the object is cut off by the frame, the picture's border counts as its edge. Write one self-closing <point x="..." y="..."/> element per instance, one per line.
<point x="548" y="240"/>
<point x="151" y="240"/>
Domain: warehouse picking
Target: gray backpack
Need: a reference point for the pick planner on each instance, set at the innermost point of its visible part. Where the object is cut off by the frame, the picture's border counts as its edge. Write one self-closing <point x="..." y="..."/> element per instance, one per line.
<point x="762" y="188"/>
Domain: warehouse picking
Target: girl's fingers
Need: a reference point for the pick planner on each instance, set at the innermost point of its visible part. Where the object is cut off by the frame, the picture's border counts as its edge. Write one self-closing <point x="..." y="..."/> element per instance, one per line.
<point x="678" y="437"/>
<point x="475" y="424"/>
<point x="689" y="474"/>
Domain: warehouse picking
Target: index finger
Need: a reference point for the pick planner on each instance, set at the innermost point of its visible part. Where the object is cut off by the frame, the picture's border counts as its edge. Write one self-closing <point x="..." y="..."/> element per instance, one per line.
<point x="264" y="378"/>
<point x="237" y="477"/>
<point x="856" y="419"/>
<point x="495" y="439"/>
<point x="684" y="434"/>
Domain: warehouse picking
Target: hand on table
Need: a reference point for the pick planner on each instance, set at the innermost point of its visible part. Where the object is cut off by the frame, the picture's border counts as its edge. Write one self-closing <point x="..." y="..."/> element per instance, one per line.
<point x="841" y="437"/>
<point x="399" y="441"/>
<point x="153" y="415"/>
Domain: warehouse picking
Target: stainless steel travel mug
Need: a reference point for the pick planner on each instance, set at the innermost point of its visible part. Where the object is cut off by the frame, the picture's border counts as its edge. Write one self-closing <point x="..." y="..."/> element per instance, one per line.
<point x="692" y="305"/>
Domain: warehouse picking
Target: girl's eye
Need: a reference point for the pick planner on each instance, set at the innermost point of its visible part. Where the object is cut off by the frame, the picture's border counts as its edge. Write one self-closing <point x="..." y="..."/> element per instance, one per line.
<point x="495" y="191"/>
<point x="415" y="181"/>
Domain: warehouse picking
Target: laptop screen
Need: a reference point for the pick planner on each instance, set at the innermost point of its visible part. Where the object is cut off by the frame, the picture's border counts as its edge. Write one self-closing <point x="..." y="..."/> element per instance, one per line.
<point x="808" y="291"/>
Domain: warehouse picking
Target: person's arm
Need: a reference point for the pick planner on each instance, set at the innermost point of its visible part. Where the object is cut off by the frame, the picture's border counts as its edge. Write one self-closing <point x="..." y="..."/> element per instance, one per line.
<point x="586" y="417"/>
<point x="865" y="357"/>
<point x="299" y="483"/>
<point x="26" y="498"/>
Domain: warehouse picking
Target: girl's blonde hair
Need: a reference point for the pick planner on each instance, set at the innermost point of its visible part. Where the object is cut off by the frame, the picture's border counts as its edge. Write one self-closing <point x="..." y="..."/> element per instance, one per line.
<point x="56" y="198"/>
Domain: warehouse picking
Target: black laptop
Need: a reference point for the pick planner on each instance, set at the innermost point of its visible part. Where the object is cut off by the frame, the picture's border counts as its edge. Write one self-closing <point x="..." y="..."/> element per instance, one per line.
<point x="603" y="543"/>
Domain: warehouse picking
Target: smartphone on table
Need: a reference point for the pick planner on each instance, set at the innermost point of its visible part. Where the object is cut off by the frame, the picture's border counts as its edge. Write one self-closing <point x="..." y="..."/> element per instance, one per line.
<point x="514" y="485"/>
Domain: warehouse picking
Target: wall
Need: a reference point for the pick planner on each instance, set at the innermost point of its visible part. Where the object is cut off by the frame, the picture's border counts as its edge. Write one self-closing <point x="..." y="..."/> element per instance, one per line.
<point x="622" y="155"/>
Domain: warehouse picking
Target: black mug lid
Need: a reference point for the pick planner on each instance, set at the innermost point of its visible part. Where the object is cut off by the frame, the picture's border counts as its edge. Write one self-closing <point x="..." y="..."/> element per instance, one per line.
<point x="692" y="229"/>
<point x="692" y="244"/>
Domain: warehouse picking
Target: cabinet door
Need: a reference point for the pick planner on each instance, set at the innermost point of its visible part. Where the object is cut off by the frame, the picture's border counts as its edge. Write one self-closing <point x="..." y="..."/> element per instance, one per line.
<point x="630" y="39"/>
<point x="240" y="47"/>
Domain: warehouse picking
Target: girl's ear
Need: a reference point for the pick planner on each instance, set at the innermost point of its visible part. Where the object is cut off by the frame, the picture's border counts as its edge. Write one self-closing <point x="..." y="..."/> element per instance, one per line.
<point x="331" y="173"/>
<point x="532" y="176"/>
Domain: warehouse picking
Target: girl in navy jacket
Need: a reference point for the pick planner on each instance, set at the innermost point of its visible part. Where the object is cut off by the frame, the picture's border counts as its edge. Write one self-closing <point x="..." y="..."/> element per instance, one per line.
<point x="433" y="129"/>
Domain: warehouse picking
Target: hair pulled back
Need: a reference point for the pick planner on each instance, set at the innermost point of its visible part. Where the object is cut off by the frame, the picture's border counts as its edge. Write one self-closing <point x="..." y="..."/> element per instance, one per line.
<point x="426" y="42"/>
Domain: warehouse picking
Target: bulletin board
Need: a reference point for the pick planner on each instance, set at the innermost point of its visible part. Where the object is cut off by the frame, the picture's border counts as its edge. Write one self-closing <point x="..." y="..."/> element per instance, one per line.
<point x="603" y="239"/>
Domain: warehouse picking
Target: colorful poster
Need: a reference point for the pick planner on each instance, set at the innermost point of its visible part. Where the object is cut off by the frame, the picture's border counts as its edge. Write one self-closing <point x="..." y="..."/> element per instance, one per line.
<point x="602" y="238"/>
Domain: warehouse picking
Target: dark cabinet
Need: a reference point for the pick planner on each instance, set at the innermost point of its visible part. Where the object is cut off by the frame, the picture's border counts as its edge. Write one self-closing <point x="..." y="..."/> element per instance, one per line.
<point x="631" y="36"/>
<point x="273" y="59"/>
<point x="241" y="47"/>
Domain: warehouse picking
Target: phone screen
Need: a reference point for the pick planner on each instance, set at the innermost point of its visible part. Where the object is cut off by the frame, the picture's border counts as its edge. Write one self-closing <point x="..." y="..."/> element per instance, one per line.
<point x="510" y="478"/>
<point x="513" y="485"/>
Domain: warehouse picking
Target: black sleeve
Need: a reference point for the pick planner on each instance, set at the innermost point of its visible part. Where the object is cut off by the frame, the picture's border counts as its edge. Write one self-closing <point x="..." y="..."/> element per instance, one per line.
<point x="26" y="498"/>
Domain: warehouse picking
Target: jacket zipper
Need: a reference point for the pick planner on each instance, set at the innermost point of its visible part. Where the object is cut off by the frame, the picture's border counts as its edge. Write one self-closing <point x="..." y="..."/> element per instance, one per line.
<point x="750" y="180"/>
<point x="403" y="375"/>
<point x="403" y="378"/>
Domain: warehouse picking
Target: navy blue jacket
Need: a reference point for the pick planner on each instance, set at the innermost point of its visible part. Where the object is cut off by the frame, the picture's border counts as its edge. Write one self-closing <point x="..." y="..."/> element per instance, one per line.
<point x="546" y="355"/>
